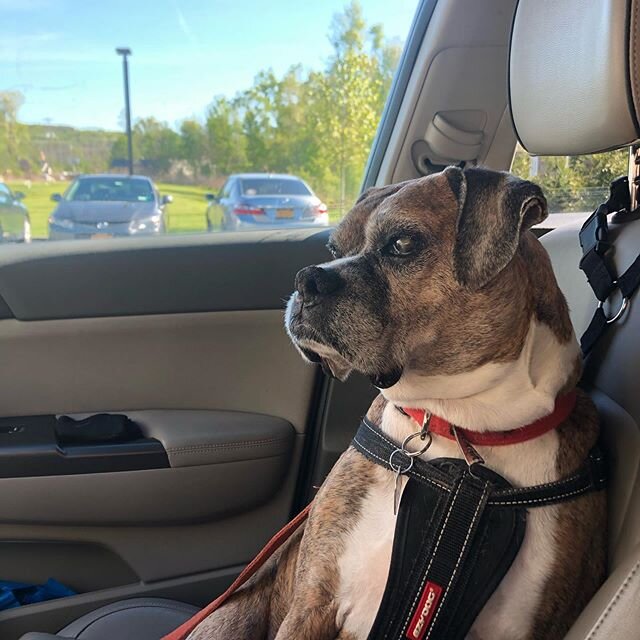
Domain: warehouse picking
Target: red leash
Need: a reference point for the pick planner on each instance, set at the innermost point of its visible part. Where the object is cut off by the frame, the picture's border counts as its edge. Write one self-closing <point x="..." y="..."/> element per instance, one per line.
<point x="271" y="547"/>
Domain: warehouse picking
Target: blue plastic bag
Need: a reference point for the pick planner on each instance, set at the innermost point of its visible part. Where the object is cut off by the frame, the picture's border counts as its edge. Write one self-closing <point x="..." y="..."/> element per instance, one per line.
<point x="16" y="594"/>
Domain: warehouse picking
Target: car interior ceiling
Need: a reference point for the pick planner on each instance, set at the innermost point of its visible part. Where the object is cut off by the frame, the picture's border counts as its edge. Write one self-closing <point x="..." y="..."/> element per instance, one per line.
<point x="504" y="69"/>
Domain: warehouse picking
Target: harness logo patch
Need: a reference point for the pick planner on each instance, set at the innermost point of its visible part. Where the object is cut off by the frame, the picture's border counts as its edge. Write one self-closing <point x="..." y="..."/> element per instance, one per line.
<point x="425" y="611"/>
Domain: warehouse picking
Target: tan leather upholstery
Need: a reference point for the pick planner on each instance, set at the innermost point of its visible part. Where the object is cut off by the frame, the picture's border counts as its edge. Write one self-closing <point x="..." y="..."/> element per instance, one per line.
<point x="613" y="372"/>
<point x="570" y="87"/>
<point x="574" y="82"/>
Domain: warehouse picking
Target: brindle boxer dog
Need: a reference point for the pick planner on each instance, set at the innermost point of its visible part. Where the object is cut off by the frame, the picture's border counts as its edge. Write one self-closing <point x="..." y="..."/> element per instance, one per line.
<point x="443" y="297"/>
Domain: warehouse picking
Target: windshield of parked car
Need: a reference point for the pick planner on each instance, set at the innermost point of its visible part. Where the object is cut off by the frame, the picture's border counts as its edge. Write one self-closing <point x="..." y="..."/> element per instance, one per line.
<point x="110" y="189"/>
<point x="273" y="187"/>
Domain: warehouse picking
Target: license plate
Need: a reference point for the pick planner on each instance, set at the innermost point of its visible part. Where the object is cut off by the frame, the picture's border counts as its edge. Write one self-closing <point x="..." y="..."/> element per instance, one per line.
<point x="101" y="236"/>
<point x="284" y="213"/>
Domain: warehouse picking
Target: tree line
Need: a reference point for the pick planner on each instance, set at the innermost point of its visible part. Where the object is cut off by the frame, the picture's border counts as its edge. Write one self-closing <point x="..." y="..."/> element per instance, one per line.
<point x="573" y="183"/>
<point x="316" y="124"/>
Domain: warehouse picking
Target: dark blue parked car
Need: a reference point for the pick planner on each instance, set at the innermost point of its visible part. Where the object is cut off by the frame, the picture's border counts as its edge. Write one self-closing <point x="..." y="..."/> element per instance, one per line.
<point x="263" y="201"/>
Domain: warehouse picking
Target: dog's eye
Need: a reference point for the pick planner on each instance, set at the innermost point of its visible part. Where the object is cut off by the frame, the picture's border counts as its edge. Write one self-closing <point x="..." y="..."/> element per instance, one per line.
<point x="401" y="246"/>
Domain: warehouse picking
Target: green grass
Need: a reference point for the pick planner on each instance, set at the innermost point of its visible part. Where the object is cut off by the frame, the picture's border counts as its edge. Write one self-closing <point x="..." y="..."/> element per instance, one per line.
<point x="185" y="214"/>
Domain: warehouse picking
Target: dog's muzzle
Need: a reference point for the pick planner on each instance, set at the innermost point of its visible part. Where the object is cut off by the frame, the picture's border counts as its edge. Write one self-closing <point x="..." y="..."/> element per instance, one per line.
<point x="314" y="286"/>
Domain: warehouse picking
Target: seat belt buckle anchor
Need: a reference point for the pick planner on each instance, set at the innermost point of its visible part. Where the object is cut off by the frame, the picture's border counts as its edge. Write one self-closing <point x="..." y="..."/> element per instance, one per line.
<point x="594" y="232"/>
<point x="619" y="195"/>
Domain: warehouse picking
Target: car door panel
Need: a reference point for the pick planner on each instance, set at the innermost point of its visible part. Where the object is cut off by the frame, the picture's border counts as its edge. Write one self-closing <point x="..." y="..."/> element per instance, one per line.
<point x="164" y="275"/>
<point x="232" y="360"/>
<point x="189" y="494"/>
<point x="88" y="566"/>
<point x="213" y="451"/>
<point x="184" y="335"/>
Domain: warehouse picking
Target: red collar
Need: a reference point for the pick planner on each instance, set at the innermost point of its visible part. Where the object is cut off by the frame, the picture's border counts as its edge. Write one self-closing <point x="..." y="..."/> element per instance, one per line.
<point x="562" y="410"/>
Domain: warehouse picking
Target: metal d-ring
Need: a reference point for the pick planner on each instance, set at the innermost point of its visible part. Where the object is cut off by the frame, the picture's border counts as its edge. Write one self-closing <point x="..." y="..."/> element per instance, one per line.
<point x="398" y="468"/>
<point x="409" y="455"/>
<point x="418" y="434"/>
<point x="621" y="310"/>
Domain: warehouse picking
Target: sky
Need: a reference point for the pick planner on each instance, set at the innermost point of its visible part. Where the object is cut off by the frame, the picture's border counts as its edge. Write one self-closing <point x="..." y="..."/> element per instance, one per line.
<point x="61" y="53"/>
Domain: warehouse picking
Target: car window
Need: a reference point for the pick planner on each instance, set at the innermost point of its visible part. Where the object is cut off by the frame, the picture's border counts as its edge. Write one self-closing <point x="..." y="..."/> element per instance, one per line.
<point x="286" y="101"/>
<point x="110" y="189"/>
<point x="273" y="187"/>
<point x="572" y="184"/>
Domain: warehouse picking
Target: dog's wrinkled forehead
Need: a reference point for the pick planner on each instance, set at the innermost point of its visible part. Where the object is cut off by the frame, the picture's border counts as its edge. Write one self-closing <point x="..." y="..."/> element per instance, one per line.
<point x="422" y="203"/>
<point x="477" y="215"/>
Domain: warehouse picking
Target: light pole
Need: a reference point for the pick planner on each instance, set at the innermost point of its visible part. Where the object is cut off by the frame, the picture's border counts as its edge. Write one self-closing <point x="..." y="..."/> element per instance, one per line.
<point x="125" y="52"/>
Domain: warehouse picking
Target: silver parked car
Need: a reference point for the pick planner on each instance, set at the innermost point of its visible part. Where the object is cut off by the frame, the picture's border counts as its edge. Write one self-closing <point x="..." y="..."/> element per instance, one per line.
<point x="264" y="200"/>
<point x="102" y="206"/>
<point x="15" y="225"/>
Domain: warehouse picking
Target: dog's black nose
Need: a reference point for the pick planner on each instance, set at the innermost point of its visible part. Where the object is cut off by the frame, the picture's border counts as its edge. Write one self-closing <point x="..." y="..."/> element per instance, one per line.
<point x="314" y="282"/>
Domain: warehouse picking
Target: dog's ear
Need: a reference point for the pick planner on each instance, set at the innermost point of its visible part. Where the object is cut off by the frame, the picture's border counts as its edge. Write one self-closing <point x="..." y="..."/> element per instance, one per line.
<point x="493" y="210"/>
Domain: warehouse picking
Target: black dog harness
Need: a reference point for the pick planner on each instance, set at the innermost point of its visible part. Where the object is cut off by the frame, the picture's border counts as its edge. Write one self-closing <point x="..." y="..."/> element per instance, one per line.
<point x="459" y="528"/>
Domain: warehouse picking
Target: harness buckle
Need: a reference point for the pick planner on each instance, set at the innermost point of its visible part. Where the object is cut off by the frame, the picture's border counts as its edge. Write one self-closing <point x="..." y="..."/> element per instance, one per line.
<point x="620" y="195"/>
<point x="595" y="231"/>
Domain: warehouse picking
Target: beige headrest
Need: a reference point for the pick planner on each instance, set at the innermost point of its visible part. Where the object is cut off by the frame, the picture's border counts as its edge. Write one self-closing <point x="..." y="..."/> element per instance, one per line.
<point x="574" y="75"/>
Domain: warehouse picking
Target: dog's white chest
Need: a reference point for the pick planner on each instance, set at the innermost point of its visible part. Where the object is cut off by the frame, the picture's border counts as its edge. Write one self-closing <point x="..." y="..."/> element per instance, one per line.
<point x="364" y="565"/>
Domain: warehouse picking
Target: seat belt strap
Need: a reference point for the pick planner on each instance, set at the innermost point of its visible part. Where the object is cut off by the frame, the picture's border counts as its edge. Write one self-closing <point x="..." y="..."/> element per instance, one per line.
<point x="628" y="283"/>
<point x="597" y="264"/>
